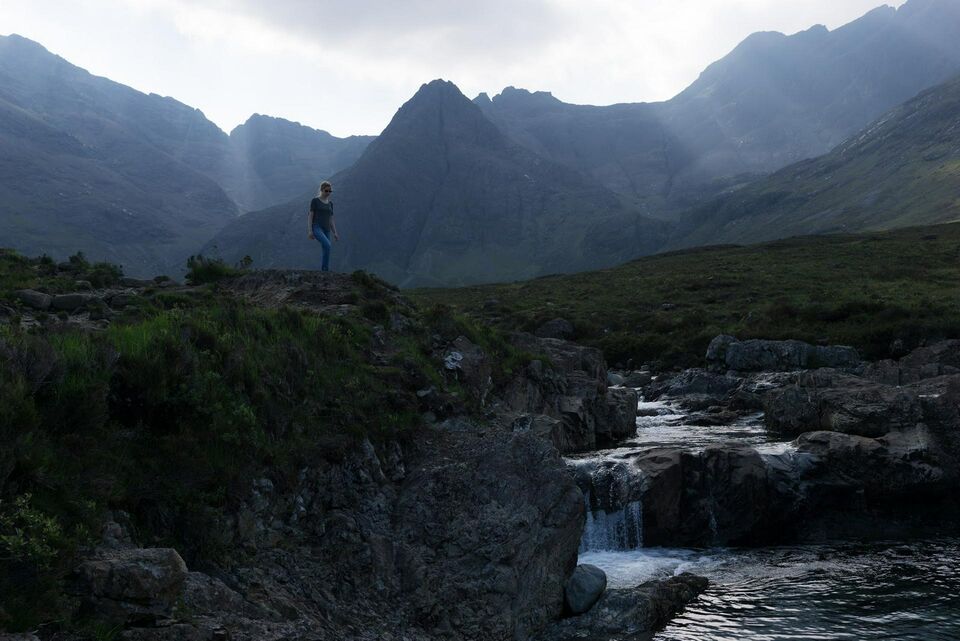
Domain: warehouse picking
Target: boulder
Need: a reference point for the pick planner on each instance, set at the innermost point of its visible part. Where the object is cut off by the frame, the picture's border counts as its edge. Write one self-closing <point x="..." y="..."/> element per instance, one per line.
<point x="131" y="585"/>
<point x="71" y="302"/>
<point x="941" y="358"/>
<point x="36" y="300"/>
<point x="620" y="421"/>
<point x="556" y="328"/>
<point x="831" y="400"/>
<point x="584" y="587"/>
<point x="83" y="285"/>
<point x="694" y="382"/>
<point x="631" y="612"/>
<point x="725" y="352"/>
<point x="614" y="379"/>
<point x="572" y="389"/>
<point x="637" y="379"/>
<point x="486" y="540"/>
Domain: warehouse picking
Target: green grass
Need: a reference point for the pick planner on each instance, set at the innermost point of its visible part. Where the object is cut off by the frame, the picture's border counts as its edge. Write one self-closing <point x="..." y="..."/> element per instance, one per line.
<point x="173" y="410"/>
<point x="862" y="290"/>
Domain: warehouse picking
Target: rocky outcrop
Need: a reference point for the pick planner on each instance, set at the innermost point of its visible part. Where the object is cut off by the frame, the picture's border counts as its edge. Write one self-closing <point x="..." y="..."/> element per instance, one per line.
<point x="130" y="586"/>
<point x="863" y="449"/>
<point x="939" y="359"/>
<point x="556" y="328"/>
<point x="727" y="353"/>
<point x="570" y="385"/>
<point x="631" y="612"/>
<point x="831" y="400"/>
<point x="459" y="535"/>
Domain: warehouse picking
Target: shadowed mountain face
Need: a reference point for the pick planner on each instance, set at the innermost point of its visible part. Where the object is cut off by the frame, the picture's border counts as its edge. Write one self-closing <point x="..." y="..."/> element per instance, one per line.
<point x="442" y="196"/>
<point x="772" y="101"/>
<point x="902" y="170"/>
<point x="87" y="164"/>
<point x="280" y="159"/>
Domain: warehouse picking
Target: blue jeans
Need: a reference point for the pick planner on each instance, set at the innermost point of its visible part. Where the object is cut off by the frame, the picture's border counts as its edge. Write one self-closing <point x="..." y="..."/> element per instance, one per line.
<point x="322" y="235"/>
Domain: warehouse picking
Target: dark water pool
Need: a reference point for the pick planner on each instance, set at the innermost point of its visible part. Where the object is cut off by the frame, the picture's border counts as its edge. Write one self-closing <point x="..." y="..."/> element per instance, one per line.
<point x="907" y="591"/>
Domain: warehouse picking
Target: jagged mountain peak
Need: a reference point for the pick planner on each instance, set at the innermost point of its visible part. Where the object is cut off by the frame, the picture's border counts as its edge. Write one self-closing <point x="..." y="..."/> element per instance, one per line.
<point x="439" y="111"/>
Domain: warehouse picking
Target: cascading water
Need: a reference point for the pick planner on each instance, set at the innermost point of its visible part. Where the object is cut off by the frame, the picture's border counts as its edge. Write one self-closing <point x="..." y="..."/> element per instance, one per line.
<point x="611" y="493"/>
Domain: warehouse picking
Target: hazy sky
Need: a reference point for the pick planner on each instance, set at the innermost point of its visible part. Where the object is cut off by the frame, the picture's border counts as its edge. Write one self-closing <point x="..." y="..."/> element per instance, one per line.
<point x="347" y="65"/>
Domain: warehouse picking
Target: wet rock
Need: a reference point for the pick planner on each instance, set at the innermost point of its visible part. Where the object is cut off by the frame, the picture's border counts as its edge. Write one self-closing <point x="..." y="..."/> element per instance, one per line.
<point x="584" y="587"/>
<point x="631" y="612"/>
<point x="36" y="300"/>
<point x="130" y="585"/>
<point x="556" y="328"/>
<point x="614" y="379"/>
<point x="26" y="636"/>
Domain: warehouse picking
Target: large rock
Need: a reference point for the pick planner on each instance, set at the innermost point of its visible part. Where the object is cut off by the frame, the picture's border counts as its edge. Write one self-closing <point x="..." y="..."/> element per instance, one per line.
<point x="830" y="400"/>
<point x="131" y="585"/>
<point x="71" y="302"/>
<point x="487" y="539"/>
<point x="755" y="355"/>
<point x="939" y="359"/>
<point x="632" y="612"/>
<point x="621" y="416"/>
<point x="36" y="300"/>
<point x="572" y="388"/>
<point x="556" y="328"/>
<point x="584" y="587"/>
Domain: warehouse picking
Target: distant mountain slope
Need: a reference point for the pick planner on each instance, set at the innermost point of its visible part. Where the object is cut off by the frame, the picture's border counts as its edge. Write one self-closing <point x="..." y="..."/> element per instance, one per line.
<point x="902" y="170"/>
<point x="773" y="100"/>
<point x="443" y="196"/>
<point x="282" y="159"/>
<point x="92" y="165"/>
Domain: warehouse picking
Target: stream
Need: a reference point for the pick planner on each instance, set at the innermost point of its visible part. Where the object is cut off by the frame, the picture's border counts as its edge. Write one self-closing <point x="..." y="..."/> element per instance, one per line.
<point x="908" y="590"/>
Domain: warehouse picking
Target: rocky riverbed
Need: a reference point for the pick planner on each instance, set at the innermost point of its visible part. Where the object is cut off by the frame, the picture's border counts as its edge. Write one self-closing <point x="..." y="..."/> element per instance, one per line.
<point x="473" y="527"/>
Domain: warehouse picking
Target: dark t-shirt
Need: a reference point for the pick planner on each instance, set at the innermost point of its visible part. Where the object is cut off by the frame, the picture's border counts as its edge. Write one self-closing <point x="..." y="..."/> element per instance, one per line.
<point x="322" y="213"/>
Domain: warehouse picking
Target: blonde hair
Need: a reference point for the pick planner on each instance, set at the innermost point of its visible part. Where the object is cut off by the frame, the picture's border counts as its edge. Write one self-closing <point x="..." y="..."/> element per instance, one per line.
<point x="325" y="183"/>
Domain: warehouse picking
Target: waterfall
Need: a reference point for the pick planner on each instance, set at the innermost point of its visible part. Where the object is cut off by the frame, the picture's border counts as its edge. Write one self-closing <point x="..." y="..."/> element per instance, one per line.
<point x="611" y="494"/>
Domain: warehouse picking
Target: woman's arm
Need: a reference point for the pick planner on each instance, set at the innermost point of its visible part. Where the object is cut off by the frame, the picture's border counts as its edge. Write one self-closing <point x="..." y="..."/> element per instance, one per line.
<point x="310" y="225"/>
<point x="333" y="228"/>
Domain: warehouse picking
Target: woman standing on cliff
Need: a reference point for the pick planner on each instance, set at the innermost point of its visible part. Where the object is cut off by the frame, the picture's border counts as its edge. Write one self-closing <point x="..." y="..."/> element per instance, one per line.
<point x="320" y="222"/>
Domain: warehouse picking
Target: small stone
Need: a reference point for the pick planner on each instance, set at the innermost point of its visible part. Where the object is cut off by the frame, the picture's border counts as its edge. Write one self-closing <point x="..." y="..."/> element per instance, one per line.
<point x="614" y="379"/>
<point x="584" y="587"/>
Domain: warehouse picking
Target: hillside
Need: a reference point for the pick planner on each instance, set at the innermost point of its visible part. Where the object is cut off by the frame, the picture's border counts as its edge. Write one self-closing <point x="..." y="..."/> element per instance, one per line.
<point x="772" y="101"/>
<point x="142" y="180"/>
<point x="443" y="196"/>
<point x="882" y="293"/>
<point x="902" y="170"/>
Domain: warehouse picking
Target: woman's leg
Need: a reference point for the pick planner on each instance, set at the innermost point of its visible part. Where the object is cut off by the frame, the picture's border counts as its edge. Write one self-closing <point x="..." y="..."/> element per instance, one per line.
<point x="324" y="239"/>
